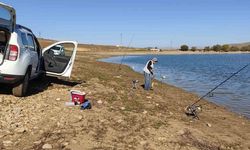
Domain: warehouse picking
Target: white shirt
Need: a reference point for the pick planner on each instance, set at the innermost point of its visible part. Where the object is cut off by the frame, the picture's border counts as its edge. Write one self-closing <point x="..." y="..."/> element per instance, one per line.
<point x="146" y="68"/>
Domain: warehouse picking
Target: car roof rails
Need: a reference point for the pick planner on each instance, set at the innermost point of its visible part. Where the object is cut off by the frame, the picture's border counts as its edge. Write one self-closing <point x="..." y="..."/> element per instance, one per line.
<point x="20" y="26"/>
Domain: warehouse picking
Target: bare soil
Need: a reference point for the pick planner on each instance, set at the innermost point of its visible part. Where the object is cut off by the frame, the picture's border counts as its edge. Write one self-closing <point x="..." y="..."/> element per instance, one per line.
<point x="120" y="118"/>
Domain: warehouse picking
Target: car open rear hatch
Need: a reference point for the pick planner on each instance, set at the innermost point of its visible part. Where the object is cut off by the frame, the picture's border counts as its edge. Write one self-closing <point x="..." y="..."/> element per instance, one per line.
<point x="7" y="17"/>
<point x="7" y="26"/>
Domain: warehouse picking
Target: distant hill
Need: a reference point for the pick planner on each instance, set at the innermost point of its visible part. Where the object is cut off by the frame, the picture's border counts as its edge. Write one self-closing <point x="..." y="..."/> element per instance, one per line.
<point x="46" y="42"/>
<point x="88" y="47"/>
<point x="240" y="44"/>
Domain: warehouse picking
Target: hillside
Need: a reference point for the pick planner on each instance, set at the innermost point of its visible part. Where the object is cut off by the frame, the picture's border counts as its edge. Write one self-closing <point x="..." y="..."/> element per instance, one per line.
<point x="89" y="47"/>
<point x="240" y="44"/>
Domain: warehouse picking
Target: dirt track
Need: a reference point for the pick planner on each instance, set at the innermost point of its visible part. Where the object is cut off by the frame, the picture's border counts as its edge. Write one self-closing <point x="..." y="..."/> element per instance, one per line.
<point x="121" y="118"/>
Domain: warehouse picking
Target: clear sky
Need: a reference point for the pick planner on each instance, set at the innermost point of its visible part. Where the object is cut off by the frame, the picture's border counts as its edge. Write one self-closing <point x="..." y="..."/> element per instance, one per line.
<point x="159" y="23"/>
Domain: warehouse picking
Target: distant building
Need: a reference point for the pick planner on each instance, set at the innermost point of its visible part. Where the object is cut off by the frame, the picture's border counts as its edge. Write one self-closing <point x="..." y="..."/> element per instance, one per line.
<point x="155" y="49"/>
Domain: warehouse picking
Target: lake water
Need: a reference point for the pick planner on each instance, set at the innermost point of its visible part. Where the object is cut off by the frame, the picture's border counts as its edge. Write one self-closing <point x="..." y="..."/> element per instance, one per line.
<point x="201" y="73"/>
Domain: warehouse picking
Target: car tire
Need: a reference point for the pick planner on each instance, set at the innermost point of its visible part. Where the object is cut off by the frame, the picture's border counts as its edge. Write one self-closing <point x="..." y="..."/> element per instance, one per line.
<point x="21" y="89"/>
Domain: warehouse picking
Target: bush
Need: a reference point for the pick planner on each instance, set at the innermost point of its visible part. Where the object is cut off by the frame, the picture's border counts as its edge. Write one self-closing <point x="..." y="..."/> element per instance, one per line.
<point x="193" y="48"/>
<point x="245" y="48"/>
<point x="217" y="48"/>
<point x="184" y="48"/>
<point x="207" y="48"/>
<point x="234" y="48"/>
<point x="225" y="48"/>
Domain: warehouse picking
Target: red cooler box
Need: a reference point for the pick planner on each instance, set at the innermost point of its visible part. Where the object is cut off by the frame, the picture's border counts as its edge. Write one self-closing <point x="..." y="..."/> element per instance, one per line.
<point x="77" y="97"/>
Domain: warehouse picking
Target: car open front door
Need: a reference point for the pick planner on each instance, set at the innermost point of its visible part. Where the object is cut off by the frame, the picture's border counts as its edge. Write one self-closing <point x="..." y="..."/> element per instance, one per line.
<point x="59" y="58"/>
<point x="7" y="17"/>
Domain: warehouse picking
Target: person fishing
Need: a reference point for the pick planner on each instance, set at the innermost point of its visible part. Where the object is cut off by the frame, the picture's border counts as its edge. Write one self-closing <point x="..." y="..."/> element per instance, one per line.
<point x="148" y="73"/>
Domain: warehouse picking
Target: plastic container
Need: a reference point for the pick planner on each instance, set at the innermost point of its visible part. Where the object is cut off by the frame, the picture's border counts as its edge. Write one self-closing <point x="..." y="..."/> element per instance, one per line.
<point x="69" y="104"/>
<point x="77" y="97"/>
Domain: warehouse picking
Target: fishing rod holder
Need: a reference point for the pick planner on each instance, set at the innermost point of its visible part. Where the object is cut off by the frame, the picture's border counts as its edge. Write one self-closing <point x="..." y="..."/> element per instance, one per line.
<point x="134" y="84"/>
<point x="193" y="110"/>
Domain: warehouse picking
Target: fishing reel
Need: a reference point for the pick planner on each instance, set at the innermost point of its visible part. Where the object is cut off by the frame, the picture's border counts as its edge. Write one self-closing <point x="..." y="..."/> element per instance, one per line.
<point x="193" y="110"/>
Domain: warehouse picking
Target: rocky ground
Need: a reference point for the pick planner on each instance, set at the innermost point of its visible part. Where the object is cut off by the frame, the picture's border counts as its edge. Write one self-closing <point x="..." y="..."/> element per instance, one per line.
<point x="120" y="118"/>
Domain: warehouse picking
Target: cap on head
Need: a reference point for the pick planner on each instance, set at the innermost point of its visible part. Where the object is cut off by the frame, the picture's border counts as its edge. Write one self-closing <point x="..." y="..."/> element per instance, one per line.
<point x="155" y="59"/>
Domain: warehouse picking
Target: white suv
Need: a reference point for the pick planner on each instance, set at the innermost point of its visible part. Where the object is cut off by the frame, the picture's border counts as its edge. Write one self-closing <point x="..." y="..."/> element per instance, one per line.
<point x="58" y="50"/>
<point x="22" y="59"/>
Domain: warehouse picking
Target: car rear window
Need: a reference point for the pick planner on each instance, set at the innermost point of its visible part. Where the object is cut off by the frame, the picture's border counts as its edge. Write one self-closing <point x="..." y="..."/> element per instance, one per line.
<point x="24" y="39"/>
<point x="4" y="15"/>
<point x="31" y="42"/>
<point x="56" y="48"/>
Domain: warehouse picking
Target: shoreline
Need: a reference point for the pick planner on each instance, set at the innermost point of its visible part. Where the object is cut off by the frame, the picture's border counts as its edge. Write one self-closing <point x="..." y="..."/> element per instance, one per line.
<point x="147" y="52"/>
<point x="161" y="82"/>
<point x="204" y="101"/>
<point x="158" y="80"/>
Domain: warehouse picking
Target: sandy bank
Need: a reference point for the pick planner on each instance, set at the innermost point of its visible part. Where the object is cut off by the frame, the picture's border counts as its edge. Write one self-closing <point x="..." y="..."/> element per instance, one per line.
<point x="121" y="118"/>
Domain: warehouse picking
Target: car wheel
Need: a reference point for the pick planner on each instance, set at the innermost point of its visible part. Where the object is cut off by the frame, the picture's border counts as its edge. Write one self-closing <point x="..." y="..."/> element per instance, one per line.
<point x="21" y="89"/>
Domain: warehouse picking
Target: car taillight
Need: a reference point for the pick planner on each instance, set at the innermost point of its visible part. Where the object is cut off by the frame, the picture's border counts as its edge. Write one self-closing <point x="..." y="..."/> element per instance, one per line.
<point x="13" y="52"/>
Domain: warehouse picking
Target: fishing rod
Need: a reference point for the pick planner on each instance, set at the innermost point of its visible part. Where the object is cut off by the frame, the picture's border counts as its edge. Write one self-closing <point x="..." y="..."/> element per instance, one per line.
<point x="193" y="109"/>
<point x="162" y="77"/>
<point x="130" y="42"/>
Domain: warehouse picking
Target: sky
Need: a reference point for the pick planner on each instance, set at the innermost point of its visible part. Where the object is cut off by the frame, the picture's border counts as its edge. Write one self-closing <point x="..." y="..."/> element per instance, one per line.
<point x="137" y="23"/>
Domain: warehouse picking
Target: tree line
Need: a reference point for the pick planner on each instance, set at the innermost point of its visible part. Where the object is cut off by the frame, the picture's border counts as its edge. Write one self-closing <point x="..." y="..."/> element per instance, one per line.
<point x="217" y="48"/>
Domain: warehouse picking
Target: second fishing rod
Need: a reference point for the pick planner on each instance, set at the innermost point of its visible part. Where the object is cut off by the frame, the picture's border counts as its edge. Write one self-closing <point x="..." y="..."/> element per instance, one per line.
<point x="192" y="109"/>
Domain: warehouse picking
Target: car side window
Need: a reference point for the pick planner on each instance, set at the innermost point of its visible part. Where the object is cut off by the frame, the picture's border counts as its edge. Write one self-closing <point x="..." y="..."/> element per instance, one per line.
<point x="31" y="43"/>
<point x="24" y="39"/>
